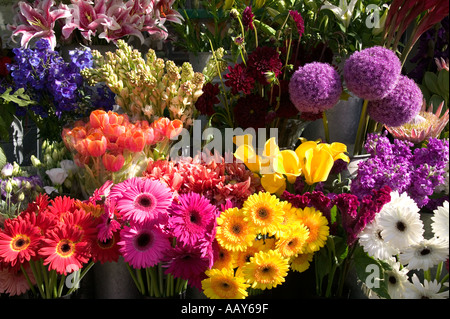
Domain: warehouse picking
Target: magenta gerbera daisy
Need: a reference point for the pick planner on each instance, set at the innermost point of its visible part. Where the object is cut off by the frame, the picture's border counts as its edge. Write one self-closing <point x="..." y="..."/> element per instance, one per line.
<point x="191" y="218"/>
<point x="143" y="245"/>
<point x="143" y="200"/>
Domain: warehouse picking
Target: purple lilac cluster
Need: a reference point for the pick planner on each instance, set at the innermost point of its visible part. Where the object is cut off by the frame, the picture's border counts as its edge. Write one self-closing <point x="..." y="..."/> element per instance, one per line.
<point x="315" y="87"/>
<point x="415" y="171"/>
<point x="56" y="86"/>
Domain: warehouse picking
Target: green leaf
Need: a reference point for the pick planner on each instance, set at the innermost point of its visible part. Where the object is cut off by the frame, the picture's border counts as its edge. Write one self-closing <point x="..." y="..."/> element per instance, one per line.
<point x="371" y="272"/>
<point x="3" y="159"/>
<point x="443" y="82"/>
<point x="431" y="82"/>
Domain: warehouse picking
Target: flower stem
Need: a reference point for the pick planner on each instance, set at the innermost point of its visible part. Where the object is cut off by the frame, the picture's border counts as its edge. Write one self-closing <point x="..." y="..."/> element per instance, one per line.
<point x="28" y="280"/>
<point x="325" y="127"/>
<point x="361" y="129"/>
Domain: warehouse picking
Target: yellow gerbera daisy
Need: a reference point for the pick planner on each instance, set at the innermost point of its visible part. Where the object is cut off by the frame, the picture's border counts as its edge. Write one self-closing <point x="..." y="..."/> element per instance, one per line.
<point x="233" y="232"/>
<point x="223" y="284"/>
<point x="290" y="216"/>
<point x="226" y="259"/>
<point x="293" y="240"/>
<point x="266" y="270"/>
<point x="263" y="211"/>
<point x="317" y="225"/>
<point x="301" y="262"/>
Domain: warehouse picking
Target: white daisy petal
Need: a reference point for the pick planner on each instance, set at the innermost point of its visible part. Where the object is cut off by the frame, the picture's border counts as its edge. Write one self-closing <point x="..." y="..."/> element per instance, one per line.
<point x="440" y="222"/>
<point x="427" y="290"/>
<point x="374" y="244"/>
<point x="400" y="220"/>
<point x="425" y="255"/>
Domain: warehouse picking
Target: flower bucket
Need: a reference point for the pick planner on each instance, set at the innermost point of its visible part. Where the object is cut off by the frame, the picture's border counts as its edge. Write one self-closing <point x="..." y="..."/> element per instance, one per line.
<point x="343" y="120"/>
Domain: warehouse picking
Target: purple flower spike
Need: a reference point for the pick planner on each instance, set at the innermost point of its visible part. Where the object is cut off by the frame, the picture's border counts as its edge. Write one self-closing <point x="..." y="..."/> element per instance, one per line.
<point x="372" y="73"/>
<point x="315" y="87"/>
<point x="400" y="106"/>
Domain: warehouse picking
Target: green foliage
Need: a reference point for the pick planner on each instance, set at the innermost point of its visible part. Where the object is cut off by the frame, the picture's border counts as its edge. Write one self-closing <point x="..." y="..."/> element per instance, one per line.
<point x="8" y="104"/>
<point x="435" y="88"/>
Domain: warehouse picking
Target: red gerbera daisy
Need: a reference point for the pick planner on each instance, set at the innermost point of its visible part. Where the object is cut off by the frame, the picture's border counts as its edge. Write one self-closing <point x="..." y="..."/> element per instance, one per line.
<point x="83" y="221"/>
<point x="19" y="241"/>
<point x="61" y="205"/>
<point x="106" y="250"/>
<point x="63" y="250"/>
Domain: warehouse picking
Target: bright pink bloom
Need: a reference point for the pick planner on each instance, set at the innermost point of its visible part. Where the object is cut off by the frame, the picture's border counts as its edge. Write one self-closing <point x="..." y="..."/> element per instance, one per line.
<point x="38" y="21"/>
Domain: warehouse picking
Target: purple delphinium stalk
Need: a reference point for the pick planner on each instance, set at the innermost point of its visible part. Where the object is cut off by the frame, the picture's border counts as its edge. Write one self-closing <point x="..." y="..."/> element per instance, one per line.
<point x="372" y="73"/>
<point x="315" y="87"/>
<point x="400" y="106"/>
<point x="394" y="164"/>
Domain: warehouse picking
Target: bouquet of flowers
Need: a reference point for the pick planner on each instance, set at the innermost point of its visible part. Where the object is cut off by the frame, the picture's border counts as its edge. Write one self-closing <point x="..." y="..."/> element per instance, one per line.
<point x="55" y="86"/>
<point x="259" y="243"/>
<point x="167" y="243"/>
<point x="17" y="188"/>
<point x="111" y="147"/>
<point x="102" y="19"/>
<point x="149" y="88"/>
<point x="48" y="248"/>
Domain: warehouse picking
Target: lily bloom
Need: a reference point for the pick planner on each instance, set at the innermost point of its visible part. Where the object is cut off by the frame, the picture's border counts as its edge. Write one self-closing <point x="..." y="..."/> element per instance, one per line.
<point x="38" y="21"/>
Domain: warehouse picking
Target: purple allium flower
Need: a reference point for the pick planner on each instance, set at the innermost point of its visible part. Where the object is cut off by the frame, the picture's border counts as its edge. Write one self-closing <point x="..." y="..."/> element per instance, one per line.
<point x="315" y="87"/>
<point x="372" y="73"/>
<point x="400" y="106"/>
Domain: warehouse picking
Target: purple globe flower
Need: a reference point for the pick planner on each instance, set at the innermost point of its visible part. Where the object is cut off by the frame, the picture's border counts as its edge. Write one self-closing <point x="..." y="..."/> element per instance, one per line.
<point x="400" y="106"/>
<point x="372" y="73"/>
<point x="315" y="87"/>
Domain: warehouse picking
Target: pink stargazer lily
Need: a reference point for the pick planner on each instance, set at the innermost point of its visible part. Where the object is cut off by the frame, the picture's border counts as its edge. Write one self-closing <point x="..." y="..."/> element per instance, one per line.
<point x="38" y="21"/>
<point x="86" y="18"/>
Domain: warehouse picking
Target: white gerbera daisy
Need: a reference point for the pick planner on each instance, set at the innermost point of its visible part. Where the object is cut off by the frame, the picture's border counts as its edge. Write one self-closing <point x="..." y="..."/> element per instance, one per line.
<point x="400" y="220"/>
<point x="429" y="290"/>
<point x="373" y="243"/>
<point x="440" y="221"/>
<point x="426" y="254"/>
<point x="397" y="279"/>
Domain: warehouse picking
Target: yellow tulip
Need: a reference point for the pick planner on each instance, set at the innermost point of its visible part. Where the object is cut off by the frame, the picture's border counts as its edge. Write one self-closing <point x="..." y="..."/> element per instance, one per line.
<point x="288" y="164"/>
<point x="248" y="156"/>
<point x="274" y="183"/>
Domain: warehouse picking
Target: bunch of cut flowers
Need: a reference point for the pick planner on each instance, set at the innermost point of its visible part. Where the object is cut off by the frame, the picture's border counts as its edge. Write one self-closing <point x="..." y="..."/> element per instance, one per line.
<point x="167" y="243"/>
<point x="89" y="21"/>
<point x="110" y="147"/>
<point x="48" y="248"/>
<point x="259" y="243"/>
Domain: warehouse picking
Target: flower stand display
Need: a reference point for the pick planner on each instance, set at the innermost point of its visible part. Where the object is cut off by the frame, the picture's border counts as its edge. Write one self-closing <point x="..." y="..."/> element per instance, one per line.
<point x="194" y="150"/>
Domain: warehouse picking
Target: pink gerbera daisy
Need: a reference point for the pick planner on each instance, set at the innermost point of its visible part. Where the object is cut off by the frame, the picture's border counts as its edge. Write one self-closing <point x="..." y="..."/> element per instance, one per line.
<point x="13" y="282"/>
<point x="108" y="223"/>
<point x="186" y="262"/>
<point x="143" y="245"/>
<point x="142" y="199"/>
<point x="191" y="218"/>
<point x="106" y="250"/>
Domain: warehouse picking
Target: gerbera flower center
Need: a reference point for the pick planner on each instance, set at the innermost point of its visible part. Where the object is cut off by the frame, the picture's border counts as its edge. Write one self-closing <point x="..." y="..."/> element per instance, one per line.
<point x="392" y="280"/>
<point x="65" y="248"/>
<point x="425" y="252"/>
<point x="262" y="212"/>
<point x="195" y="217"/>
<point x="145" y="202"/>
<point x="21" y="242"/>
<point x="143" y="241"/>
<point x="106" y="244"/>
<point x="236" y="229"/>
<point x="401" y="226"/>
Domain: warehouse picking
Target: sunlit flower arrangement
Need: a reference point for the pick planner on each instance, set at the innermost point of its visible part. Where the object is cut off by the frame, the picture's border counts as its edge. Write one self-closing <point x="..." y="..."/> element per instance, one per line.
<point x="259" y="243"/>
<point x="147" y="87"/>
<point x="89" y="20"/>
<point x="49" y="244"/>
<point x="110" y="147"/>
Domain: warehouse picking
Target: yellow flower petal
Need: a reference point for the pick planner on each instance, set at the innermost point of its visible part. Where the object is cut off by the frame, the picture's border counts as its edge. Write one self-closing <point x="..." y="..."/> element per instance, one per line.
<point x="274" y="183"/>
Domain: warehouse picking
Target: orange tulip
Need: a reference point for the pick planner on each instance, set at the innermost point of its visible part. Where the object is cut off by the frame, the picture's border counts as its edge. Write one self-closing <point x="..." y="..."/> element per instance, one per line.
<point x="113" y="163"/>
<point x="136" y="141"/>
<point x="98" y="119"/>
<point x="95" y="144"/>
<point x="174" y="129"/>
<point x="113" y="131"/>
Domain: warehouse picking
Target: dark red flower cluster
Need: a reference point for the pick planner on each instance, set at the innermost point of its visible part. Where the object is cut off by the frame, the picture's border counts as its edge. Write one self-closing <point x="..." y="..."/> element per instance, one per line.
<point x="247" y="18"/>
<point x="264" y="59"/>
<point x="205" y="103"/>
<point x="251" y="111"/>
